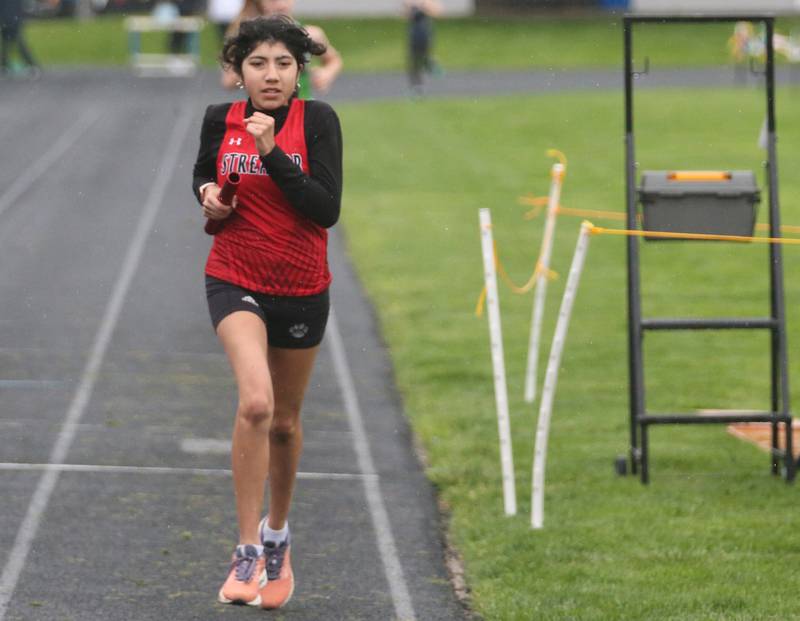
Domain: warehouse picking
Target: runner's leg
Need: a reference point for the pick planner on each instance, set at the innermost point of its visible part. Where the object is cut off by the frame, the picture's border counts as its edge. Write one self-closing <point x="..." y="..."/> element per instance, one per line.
<point x="244" y="337"/>
<point x="291" y="371"/>
<point x="24" y="51"/>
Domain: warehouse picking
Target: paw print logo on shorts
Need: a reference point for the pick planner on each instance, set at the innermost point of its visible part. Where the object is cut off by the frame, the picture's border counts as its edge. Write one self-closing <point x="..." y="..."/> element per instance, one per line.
<point x="298" y="330"/>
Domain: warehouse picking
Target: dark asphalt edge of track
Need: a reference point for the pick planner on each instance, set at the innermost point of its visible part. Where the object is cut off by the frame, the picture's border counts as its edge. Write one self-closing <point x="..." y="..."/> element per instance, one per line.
<point x="360" y="320"/>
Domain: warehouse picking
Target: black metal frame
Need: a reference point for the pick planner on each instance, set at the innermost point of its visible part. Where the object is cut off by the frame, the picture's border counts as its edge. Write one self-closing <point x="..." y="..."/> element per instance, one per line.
<point x="640" y="419"/>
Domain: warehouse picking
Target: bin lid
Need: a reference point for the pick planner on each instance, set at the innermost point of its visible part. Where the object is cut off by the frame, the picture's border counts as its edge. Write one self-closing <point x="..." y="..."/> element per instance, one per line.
<point x="698" y="183"/>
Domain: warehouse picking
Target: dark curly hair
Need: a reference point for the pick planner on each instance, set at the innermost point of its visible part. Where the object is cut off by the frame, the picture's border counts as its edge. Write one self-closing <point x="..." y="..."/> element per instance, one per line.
<point x="273" y="29"/>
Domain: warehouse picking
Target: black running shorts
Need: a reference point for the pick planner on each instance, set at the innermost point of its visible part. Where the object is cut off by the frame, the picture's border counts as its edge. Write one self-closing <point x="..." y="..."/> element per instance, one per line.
<point x="292" y="322"/>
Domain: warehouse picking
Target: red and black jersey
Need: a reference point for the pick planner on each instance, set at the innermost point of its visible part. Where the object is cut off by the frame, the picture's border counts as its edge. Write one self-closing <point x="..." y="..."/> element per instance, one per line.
<point x="275" y="242"/>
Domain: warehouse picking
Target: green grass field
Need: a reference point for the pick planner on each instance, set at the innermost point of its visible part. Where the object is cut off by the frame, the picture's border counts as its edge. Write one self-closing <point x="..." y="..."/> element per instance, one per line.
<point x="712" y="536"/>
<point x="379" y="44"/>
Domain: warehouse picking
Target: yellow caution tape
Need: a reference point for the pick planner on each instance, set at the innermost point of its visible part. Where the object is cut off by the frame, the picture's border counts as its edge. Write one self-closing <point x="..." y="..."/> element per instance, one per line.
<point x="518" y="289"/>
<point x="560" y="156"/>
<point x="597" y="230"/>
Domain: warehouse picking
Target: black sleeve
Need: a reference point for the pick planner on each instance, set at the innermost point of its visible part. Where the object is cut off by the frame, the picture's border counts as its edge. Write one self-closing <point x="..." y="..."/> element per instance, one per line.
<point x="317" y="196"/>
<point x="211" y="135"/>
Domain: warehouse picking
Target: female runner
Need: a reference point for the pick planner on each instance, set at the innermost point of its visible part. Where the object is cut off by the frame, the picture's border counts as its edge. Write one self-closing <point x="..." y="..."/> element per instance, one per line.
<point x="267" y="279"/>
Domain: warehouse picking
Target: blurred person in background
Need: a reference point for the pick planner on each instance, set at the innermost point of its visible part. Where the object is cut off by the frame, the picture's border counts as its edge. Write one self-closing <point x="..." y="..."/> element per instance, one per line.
<point x="179" y="41"/>
<point x="11" y="23"/>
<point x="319" y="78"/>
<point x="420" y="15"/>
<point x="222" y="14"/>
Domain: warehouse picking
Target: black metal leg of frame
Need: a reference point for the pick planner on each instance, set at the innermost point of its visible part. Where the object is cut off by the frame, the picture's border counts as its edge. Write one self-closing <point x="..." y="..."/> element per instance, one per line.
<point x="775" y="448"/>
<point x="643" y="456"/>
<point x="788" y="456"/>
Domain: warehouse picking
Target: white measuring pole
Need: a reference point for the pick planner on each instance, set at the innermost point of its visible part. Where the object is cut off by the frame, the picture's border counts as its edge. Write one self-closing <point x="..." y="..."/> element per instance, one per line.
<point x="498" y="364"/>
<point x="551" y="376"/>
<point x="542" y="267"/>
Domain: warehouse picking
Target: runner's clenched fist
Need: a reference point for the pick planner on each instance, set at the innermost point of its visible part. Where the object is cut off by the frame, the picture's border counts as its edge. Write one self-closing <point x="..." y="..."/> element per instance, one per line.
<point x="262" y="128"/>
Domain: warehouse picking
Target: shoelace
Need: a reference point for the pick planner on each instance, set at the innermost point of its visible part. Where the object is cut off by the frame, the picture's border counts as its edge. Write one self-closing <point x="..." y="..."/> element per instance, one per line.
<point x="275" y="561"/>
<point x="245" y="566"/>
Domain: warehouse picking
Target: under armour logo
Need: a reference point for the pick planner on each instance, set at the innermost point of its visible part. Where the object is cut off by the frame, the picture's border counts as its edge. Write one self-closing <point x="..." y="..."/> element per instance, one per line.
<point x="236" y="141"/>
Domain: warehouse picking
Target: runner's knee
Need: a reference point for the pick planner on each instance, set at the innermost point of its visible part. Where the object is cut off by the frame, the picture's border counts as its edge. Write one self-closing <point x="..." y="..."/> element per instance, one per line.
<point x="256" y="410"/>
<point x="284" y="427"/>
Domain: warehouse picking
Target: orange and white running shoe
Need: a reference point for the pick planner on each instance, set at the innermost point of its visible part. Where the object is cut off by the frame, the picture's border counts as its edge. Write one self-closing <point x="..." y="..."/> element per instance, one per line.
<point x="280" y="578"/>
<point x="245" y="579"/>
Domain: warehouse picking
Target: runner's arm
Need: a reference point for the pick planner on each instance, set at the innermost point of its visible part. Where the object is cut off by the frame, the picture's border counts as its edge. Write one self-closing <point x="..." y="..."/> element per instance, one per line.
<point x="323" y="77"/>
<point x="211" y="135"/>
<point x="317" y="196"/>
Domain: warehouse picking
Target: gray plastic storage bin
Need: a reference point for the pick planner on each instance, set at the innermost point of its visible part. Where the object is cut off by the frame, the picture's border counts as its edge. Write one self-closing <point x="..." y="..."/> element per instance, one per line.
<point x="710" y="202"/>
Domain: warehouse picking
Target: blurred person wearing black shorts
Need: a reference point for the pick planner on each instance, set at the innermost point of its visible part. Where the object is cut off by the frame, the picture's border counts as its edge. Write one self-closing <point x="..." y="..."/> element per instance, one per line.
<point x="420" y="15"/>
<point x="12" y="20"/>
<point x="179" y="41"/>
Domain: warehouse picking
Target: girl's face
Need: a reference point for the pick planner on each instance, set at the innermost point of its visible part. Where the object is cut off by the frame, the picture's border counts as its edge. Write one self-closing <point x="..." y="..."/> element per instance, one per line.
<point x="276" y="7"/>
<point x="269" y="74"/>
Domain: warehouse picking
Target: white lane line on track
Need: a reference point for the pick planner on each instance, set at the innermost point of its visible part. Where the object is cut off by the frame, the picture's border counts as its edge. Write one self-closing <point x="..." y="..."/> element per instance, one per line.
<point x="214" y="472"/>
<point x="205" y="446"/>
<point x="403" y="606"/>
<point x="213" y="446"/>
<point x="46" y="161"/>
<point x="20" y="383"/>
<point x="47" y="482"/>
